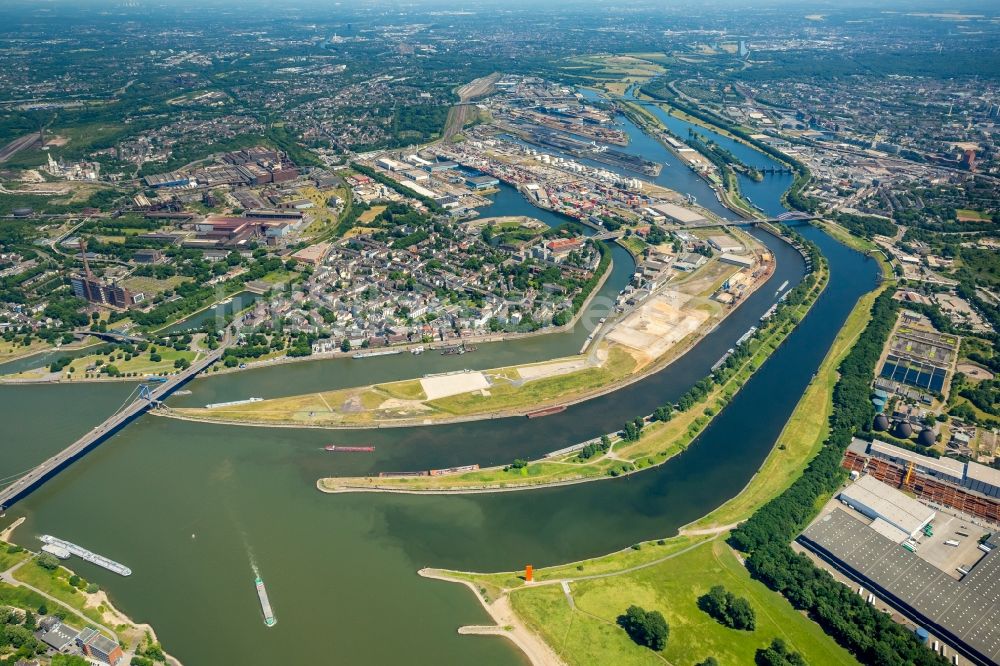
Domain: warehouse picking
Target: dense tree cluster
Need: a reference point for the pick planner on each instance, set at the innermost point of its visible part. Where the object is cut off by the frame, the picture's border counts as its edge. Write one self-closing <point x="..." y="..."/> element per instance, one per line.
<point x="595" y="448"/>
<point x="866" y="226"/>
<point x="778" y="654"/>
<point x="647" y="628"/>
<point x="730" y="610"/>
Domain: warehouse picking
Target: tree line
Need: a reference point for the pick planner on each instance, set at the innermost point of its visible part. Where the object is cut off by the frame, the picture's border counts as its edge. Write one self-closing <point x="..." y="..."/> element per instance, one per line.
<point x="869" y="634"/>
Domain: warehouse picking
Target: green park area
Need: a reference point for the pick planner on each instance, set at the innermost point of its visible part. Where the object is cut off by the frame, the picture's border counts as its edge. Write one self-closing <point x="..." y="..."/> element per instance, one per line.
<point x="587" y="632"/>
<point x="502" y="390"/>
<point x="116" y="364"/>
<point x="40" y="586"/>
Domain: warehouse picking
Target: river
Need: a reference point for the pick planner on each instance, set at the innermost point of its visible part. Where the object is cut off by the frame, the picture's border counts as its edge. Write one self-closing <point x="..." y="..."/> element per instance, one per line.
<point x="191" y="507"/>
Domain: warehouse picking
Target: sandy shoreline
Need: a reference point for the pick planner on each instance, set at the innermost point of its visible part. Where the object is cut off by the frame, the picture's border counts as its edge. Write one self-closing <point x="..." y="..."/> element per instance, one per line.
<point x="507" y="624"/>
<point x="99" y="599"/>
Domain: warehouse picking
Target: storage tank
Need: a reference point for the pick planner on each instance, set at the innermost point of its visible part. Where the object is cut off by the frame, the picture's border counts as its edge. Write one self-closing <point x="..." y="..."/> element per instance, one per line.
<point x="903" y="430"/>
<point x="926" y="437"/>
<point x="881" y="423"/>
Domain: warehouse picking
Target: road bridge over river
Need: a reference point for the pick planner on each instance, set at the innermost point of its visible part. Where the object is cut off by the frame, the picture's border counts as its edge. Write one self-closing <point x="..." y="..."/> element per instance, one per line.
<point x="148" y="396"/>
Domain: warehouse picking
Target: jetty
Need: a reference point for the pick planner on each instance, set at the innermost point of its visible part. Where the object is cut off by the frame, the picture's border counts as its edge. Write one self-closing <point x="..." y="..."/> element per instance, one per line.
<point x="84" y="554"/>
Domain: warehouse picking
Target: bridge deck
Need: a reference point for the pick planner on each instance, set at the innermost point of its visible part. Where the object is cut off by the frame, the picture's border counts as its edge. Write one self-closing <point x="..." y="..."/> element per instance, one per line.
<point x="56" y="463"/>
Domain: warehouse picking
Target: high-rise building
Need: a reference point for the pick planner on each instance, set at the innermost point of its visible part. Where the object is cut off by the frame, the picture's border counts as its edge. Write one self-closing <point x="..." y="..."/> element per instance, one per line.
<point x="94" y="290"/>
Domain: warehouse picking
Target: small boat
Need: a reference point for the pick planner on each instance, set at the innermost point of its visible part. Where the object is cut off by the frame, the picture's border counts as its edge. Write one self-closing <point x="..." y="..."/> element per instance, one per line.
<point x="349" y="449"/>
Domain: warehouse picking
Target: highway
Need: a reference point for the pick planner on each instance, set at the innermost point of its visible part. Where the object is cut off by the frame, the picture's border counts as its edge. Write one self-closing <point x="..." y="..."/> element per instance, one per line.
<point x="17" y="145"/>
<point x="49" y="468"/>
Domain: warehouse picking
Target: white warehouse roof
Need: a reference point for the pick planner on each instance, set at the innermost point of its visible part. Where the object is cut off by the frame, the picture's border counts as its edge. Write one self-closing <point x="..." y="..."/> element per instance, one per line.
<point x="878" y="500"/>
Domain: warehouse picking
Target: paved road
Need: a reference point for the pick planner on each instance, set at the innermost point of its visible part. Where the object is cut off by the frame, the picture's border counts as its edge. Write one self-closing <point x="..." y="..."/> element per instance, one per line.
<point x="8" y="577"/>
<point x="17" y="145"/>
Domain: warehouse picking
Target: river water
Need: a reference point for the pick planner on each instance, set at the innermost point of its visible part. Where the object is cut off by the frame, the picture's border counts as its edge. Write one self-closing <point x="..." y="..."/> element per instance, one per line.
<point x="192" y="508"/>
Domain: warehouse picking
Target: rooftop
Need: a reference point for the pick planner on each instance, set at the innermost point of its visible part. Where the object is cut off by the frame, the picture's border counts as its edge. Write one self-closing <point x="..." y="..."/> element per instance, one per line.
<point x="947" y="466"/>
<point x="968" y="610"/>
<point x="893" y="506"/>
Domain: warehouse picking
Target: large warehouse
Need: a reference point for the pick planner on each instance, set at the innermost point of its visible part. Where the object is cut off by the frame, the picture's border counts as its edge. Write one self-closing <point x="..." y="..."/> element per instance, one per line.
<point x="896" y="516"/>
<point x="965" y="613"/>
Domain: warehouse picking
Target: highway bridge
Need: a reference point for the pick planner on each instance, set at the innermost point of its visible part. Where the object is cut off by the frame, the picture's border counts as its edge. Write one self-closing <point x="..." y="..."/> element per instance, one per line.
<point x="148" y="395"/>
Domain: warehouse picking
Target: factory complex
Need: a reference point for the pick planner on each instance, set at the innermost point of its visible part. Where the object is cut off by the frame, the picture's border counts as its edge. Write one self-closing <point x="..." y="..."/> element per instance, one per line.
<point x="966" y="486"/>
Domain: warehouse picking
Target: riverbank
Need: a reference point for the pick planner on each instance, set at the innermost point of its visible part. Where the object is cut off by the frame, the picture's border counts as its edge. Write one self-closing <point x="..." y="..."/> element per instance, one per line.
<point x="83" y="605"/>
<point x="728" y="192"/>
<point x="615" y="455"/>
<point x="641" y="573"/>
<point x="618" y="357"/>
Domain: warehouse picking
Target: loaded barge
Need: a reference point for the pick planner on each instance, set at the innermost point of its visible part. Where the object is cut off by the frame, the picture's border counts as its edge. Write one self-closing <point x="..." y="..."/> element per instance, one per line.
<point x="265" y="604"/>
<point x="61" y="546"/>
<point x="459" y="349"/>
<point x="387" y="352"/>
<point x="546" y="412"/>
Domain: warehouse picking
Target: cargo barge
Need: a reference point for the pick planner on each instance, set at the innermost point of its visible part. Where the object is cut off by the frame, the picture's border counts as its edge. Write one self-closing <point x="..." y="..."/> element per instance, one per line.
<point x="349" y="449"/>
<point x="546" y="412"/>
<point x="386" y="352"/>
<point x="581" y="149"/>
<point x="746" y="336"/>
<point x="460" y="349"/>
<point x="265" y="604"/>
<point x="231" y="403"/>
<point x="60" y="547"/>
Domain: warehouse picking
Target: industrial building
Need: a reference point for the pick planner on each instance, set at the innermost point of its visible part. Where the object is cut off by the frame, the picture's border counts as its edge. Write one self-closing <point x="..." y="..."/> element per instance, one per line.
<point x="93" y="290"/>
<point x="896" y="516"/>
<point x="679" y="214"/>
<point x="98" y="646"/>
<point x="724" y="243"/>
<point x="965" y="613"/>
<point x="967" y="486"/>
<point x="170" y="179"/>
<point x="743" y="261"/>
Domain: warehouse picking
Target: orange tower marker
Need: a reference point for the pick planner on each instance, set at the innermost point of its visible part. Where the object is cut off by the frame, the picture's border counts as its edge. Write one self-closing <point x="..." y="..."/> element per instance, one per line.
<point x="528" y="573"/>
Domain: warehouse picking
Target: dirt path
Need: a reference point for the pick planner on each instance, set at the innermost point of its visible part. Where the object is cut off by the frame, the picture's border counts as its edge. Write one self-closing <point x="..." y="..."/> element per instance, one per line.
<point x="8" y="532"/>
<point x="719" y="529"/>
